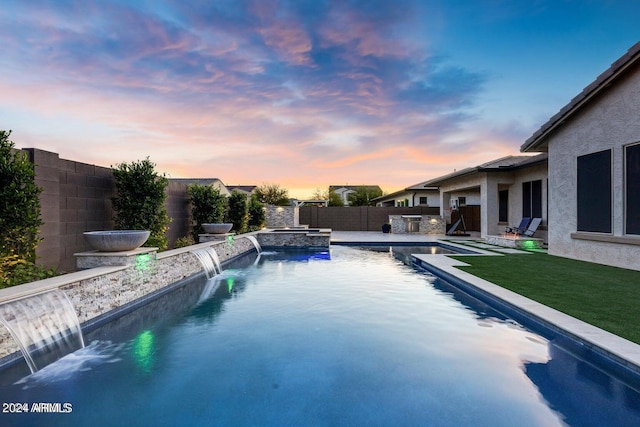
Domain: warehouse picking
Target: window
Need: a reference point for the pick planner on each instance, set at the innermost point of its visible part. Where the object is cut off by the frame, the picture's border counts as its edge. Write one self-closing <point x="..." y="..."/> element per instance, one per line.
<point x="423" y="200"/>
<point x="632" y="179"/>
<point x="532" y="199"/>
<point x="462" y="201"/>
<point x="503" y="205"/>
<point x="594" y="192"/>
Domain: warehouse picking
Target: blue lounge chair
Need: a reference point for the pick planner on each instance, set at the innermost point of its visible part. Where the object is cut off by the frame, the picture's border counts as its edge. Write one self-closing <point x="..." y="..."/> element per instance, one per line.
<point x="520" y="228"/>
<point x="533" y="227"/>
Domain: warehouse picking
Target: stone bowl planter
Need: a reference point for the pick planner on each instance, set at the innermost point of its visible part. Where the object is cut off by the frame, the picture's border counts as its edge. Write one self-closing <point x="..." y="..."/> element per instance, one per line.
<point x="220" y="228"/>
<point x="116" y="240"/>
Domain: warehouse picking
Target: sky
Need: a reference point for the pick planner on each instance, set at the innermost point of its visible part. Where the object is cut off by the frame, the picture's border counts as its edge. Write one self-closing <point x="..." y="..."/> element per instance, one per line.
<point x="302" y="93"/>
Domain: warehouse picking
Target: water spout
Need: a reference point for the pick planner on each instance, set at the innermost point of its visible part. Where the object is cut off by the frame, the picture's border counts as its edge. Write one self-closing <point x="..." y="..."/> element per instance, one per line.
<point x="209" y="259"/>
<point x="44" y="325"/>
<point x="253" y="240"/>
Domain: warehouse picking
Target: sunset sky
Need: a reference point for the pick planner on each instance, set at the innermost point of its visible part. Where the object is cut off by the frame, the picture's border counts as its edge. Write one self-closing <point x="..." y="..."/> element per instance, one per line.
<point x="299" y="93"/>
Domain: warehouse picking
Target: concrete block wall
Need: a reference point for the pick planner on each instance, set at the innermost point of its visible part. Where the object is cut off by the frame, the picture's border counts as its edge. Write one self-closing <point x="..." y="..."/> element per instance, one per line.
<point x="76" y="197"/>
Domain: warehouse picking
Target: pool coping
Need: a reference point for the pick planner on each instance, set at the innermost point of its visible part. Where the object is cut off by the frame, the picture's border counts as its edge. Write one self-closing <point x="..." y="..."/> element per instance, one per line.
<point x="624" y="351"/>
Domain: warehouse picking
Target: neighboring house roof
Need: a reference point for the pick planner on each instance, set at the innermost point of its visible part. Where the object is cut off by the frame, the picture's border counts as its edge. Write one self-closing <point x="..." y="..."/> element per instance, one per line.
<point x="244" y="188"/>
<point x="410" y="189"/>
<point x="502" y="164"/>
<point x="354" y="187"/>
<point x="199" y="181"/>
<point x="537" y="142"/>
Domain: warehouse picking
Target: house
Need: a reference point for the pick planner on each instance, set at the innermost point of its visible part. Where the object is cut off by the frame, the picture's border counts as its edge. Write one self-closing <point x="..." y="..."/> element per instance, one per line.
<point x="204" y="181"/>
<point x="345" y="190"/>
<point x="593" y="144"/>
<point x="496" y="194"/>
<point x="414" y="195"/>
<point x="247" y="190"/>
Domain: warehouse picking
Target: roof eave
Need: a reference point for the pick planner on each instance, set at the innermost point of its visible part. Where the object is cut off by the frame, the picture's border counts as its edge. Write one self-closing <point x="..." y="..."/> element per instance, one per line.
<point x="538" y="141"/>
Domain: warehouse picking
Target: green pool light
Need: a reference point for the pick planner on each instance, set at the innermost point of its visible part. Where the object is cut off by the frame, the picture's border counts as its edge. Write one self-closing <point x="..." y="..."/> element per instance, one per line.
<point x="143" y="350"/>
<point x="143" y="262"/>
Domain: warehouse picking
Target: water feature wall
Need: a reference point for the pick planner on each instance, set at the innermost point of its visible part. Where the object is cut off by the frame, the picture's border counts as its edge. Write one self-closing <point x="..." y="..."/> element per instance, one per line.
<point x="97" y="291"/>
<point x="295" y="238"/>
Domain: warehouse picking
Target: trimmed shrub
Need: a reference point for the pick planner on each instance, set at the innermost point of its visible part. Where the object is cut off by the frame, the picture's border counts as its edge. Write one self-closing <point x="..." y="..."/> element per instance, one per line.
<point x="139" y="203"/>
<point x="238" y="213"/>
<point x="208" y="206"/>
<point x="257" y="215"/>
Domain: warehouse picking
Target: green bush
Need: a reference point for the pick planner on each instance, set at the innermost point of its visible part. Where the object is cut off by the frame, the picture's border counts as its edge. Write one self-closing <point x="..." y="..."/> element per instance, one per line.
<point x="272" y="194"/>
<point x="139" y="203"/>
<point x="208" y="206"/>
<point x="238" y="213"/>
<point x="184" y="242"/>
<point x="16" y="271"/>
<point x="19" y="217"/>
<point x="257" y="215"/>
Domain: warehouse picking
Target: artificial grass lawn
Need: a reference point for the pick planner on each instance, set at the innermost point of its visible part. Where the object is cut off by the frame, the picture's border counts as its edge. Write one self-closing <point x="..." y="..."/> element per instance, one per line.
<point x="606" y="297"/>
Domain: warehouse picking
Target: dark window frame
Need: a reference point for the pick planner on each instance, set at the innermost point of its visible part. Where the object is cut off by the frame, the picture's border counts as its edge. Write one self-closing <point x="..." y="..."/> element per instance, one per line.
<point x="632" y="189"/>
<point x="503" y="206"/>
<point x="532" y="199"/>
<point x="594" y="192"/>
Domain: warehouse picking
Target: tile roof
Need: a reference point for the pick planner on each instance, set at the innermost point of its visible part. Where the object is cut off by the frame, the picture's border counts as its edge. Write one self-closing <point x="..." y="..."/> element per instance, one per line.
<point x="537" y="141"/>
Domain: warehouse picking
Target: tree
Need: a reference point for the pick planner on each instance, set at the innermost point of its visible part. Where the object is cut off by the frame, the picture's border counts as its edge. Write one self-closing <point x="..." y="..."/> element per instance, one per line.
<point x="208" y="205"/>
<point x="257" y="214"/>
<point x="19" y="202"/>
<point x="19" y="217"/>
<point x="238" y="213"/>
<point x="139" y="203"/>
<point x="319" y="194"/>
<point x="363" y="195"/>
<point x="335" y="199"/>
<point x="272" y="194"/>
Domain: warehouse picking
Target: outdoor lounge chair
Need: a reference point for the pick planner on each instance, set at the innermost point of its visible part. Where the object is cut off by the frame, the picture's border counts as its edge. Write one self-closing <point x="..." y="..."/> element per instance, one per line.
<point x="520" y="228"/>
<point x="533" y="227"/>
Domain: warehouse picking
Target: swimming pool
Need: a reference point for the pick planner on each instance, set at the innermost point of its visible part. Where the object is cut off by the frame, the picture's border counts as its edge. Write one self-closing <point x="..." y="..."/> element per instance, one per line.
<point x="346" y="337"/>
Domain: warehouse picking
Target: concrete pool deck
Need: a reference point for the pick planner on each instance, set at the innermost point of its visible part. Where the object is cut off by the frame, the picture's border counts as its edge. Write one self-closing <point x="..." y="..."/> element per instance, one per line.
<point x="619" y="348"/>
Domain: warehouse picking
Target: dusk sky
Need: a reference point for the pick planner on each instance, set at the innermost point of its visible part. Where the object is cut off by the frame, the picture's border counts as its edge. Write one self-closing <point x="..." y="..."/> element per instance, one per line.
<point x="302" y="94"/>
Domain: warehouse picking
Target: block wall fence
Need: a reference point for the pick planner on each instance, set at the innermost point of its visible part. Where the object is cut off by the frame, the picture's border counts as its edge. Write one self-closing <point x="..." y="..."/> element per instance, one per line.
<point x="76" y="197"/>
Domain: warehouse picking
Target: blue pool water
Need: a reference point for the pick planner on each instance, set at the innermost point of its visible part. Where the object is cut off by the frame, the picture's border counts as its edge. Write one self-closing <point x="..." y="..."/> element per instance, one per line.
<point x="346" y="338"/>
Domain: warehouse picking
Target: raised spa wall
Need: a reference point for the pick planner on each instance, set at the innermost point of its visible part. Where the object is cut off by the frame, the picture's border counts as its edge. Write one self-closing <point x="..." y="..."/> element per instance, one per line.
<point x="97" y="291"/>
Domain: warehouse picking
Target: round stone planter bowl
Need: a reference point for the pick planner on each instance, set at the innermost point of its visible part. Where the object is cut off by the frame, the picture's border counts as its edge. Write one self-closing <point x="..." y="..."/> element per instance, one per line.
<point x="116" y="240"/>
<point x="219" y="228"/>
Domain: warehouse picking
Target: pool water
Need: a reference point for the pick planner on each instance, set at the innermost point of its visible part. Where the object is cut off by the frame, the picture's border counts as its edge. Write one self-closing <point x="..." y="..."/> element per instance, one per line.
<point x="349" y="337"/>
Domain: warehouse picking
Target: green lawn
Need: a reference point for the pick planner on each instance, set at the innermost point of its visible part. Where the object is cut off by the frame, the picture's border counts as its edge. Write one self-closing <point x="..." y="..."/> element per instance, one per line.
<point x="606" y="297"/>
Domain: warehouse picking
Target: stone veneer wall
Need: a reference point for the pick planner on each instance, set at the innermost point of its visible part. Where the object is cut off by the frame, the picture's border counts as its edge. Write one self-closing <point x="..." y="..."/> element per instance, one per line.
<point x="428" y="225"/>
<point x="97" y="291"/>
<point x="282" y="216"/>
<point x="295" y="239"/>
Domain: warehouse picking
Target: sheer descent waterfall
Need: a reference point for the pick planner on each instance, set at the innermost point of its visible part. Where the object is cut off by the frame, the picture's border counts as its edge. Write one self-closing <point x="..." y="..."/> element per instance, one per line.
<point x="208" y="257"/>
<point x="255" y="243"/>
<point x="44" y="325"/>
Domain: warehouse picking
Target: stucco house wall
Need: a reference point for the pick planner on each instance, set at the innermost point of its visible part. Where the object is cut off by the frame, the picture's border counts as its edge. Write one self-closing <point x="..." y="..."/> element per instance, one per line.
<point x="604" y="117"/>
<point x="609" y="123"/>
